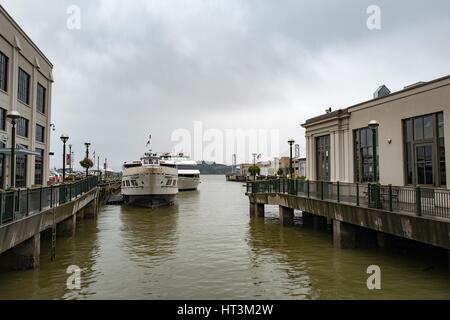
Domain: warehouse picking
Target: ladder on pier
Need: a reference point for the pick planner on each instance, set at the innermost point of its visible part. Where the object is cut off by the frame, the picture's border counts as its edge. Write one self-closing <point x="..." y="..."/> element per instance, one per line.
<point x="53" y="242"/>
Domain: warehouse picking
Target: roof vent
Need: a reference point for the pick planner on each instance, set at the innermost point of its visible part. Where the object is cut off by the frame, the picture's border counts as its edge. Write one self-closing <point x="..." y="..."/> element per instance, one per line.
<point x="382" y="91"/>
<point x="414" y="85"/>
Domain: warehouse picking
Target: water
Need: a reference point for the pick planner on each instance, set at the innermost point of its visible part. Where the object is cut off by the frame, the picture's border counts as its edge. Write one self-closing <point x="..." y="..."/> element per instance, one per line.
<point x="207" y="247"/>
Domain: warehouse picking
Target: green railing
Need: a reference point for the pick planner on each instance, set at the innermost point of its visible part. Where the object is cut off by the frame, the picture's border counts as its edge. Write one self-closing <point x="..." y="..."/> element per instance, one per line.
<point x="24" y="202"/>
<point x="418" y="200"/>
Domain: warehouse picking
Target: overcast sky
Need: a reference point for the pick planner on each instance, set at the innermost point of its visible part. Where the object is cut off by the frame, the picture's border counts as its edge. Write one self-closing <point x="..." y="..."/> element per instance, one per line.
<point x="140" y="67"/>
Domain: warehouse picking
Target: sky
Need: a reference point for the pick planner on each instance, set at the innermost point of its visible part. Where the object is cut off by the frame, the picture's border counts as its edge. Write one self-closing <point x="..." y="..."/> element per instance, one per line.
<point x="141" y="67"/>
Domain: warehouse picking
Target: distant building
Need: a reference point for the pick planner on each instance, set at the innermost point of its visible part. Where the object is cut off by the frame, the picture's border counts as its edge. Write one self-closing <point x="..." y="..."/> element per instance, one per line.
<point x="412" y="144"/>
<point x="25" y="86"/>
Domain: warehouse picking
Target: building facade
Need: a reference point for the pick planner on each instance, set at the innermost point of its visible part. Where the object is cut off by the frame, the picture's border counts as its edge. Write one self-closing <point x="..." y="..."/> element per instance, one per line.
<point x="25" y="86"/>
<point x="412" y="139"/>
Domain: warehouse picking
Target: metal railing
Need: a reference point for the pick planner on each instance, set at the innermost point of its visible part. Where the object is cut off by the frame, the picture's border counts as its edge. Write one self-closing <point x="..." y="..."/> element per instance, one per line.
<point x="24" y="202"/>
<point x="418" y="200"/>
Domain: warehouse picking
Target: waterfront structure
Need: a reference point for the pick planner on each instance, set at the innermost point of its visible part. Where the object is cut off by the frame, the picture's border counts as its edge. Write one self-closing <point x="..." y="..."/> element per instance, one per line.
<point x="267" y="168"/>
<point x="25" y="86"/>
<point x="298" y="165"/>
<point x="411" y="138"/>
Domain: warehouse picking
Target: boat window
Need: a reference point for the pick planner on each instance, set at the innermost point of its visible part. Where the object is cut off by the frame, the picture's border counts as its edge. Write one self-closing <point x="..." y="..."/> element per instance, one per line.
<point x="134" y="183"/>
<point x="128" y="183"/>
<point x="169" y="182"/>
<point x="187" y="167"/>
<point x="174" y="182"/>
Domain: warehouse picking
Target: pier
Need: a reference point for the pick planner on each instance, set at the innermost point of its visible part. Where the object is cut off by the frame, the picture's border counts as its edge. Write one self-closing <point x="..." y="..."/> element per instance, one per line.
<point x="27" y="215"/>
<point x="359" y="212"/>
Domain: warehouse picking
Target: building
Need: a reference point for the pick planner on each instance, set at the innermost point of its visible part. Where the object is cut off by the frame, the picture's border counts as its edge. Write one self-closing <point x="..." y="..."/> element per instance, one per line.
<point x="25" y="86"/>
<point x="301" y="167"/>
<point x="267" y="168"/>
<point x="298" y="166"/>
<point x="411" y="138"/>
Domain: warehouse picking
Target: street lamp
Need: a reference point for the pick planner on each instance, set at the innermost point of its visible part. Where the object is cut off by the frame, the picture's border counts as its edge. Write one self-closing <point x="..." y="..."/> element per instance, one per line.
<point x="291" y="142"/>
<point x="373" y="125"/>
<point x="70" y="163"/>
<point x="254" y="164"/>
<point x="64" y="139"/>
<point x="13" y="116"/>
<point x="87" y="144"/>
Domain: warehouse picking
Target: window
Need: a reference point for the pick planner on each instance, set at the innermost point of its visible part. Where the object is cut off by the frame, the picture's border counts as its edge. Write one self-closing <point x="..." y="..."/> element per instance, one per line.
<point x="40" y="101"/>
<point x="323" y="158"/>
<point x="363" y="142"/>
<point x="24" y="87"/>
<point x="40" y="133"/>
<point x="425" y="150"/>
<point x="2" y="119"/>
<point x="38" y="167"/>
<point x="22" y="127"/>
<point x="3" y="72"/>
<point x="21" y="169"/>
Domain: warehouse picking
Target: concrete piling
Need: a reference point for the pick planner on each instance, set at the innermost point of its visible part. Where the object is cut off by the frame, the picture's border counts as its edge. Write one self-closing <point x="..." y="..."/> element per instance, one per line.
<point x="286" y="216"/>
<point x="344" y="235"/>
<point x="23" y="256"/>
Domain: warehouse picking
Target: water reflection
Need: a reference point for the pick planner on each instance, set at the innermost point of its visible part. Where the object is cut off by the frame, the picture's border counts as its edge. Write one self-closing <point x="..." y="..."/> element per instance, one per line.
<point x="149" y="235"/>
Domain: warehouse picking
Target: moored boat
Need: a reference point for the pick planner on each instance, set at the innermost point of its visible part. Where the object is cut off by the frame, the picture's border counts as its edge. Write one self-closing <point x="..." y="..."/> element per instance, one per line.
<point x="148" y="183"/>
<point x="188" y="173"/>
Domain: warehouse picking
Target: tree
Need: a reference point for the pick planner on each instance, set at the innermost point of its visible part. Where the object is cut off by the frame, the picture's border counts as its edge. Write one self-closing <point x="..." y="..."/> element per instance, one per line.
<point x="280" y="172"/>
<point x="254" y="170"/>
<point x="86" y="163"/>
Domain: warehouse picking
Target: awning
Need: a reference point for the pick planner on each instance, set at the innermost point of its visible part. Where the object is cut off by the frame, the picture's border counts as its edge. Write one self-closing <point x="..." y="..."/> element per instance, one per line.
<point x="19" y="151"/>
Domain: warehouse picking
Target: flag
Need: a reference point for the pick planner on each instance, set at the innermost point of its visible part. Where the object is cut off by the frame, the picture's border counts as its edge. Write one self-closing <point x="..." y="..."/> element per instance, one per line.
<point x="258" y="157"/>
<point x="148" y="142"/>
<point x="93" y="160"/>
<point x="68" y="159"/>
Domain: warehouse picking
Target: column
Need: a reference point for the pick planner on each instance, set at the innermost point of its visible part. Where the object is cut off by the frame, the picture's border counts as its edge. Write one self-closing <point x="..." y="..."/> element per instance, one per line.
<point x="48" y="111"/>
<point x="308" y="219"/>
<point x="24" y="256"/>
<point x="332" y="156"/>
<point x="91" y="210"/>
<point x="344" y="235"/>
<point x="286" y="216"/>
<point x="67" y="227"/>
<point x="259" y="209"/>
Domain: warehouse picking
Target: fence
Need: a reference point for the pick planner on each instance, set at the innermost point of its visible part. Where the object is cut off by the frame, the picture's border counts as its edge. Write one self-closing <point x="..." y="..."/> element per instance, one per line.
<point x="418" y="200"/>
<point x="24" y="202"/>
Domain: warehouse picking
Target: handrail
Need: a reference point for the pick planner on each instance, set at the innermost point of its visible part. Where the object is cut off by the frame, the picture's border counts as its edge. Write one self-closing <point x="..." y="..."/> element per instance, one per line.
<point x="16" y="204"/>
<point x="422" y="201"/>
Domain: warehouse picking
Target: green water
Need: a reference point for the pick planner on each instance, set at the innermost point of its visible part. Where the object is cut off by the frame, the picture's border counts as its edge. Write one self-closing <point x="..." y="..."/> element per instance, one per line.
<point x="207" y="247"/>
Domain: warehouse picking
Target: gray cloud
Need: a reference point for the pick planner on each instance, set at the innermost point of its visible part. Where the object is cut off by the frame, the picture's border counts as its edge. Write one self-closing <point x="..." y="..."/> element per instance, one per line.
<point x="154" y="66"/>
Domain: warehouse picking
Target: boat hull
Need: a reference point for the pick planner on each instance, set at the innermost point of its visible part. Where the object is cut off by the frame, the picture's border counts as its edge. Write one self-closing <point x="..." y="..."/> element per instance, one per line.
<point x="149" y="186"/>
<point x="188" y="183"/>
<point x="150" y="200"/>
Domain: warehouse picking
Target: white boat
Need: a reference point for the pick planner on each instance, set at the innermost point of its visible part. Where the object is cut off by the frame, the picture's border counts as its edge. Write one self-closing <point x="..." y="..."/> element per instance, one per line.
<point x="188" y="173"/>
<point x="148" y="183"/>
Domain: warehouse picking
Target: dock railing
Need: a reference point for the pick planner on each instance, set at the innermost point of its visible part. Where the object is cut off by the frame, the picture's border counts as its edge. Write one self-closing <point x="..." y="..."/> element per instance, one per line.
<point x="20" y="203"/>
<point x="422" y="201"/>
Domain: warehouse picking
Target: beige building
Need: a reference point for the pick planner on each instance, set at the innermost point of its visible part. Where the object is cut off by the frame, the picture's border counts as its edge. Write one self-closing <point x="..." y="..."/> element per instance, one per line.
<point x="25" y="86"/>
<point x="412" y="140"/>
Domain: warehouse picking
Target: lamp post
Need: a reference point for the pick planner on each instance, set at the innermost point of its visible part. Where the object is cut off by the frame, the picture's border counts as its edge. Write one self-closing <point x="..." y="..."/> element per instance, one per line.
<point x="291" y="142"/>
<point x="14" y="116"/>
<point x="70" y="163"/>
<point x="64" y="139"/>
<point x="254" y="164"/>
<point x="373" y="125"/>
<point x="87" y="144"/>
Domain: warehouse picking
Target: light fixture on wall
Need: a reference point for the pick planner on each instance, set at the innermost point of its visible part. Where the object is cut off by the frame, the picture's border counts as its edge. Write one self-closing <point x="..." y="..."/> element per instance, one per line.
<point x="389" y="140"/>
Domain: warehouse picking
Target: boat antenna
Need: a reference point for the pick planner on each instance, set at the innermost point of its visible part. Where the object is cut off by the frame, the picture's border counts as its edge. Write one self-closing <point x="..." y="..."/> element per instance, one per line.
<point x="148" y="143"/>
